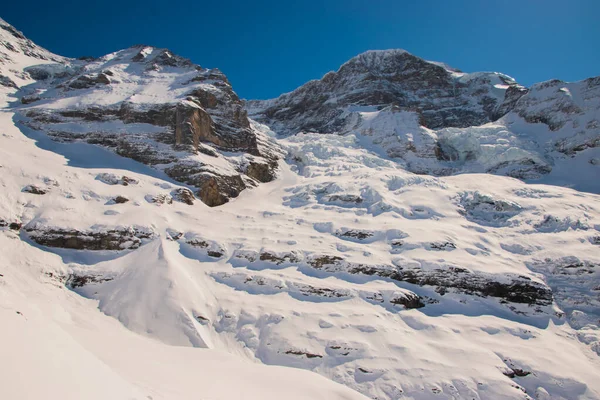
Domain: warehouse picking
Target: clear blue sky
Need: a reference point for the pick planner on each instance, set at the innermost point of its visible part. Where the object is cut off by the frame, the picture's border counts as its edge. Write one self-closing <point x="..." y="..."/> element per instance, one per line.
<point x="270" y="47"/>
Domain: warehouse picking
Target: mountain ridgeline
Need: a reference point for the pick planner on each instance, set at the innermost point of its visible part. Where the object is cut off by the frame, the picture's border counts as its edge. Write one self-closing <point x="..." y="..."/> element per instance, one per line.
<point x="429" y="117"/>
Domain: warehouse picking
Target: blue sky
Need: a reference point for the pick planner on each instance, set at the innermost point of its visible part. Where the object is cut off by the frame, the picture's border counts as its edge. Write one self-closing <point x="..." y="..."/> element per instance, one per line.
<point x="270" y="47"/>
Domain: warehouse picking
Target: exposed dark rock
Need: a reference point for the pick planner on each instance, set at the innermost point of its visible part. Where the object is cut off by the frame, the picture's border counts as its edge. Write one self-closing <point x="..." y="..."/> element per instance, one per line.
<point x="75" y="281"/>
<point x="137" y="150"/>
<point x="211" y="120"/>
<point x="160" y="115"/>
<point x="217" y="190"/>
<point x="511" y="96"/>
<point x="344" y="198"/>
<point x="198" y="243"/>
<point x="29" y="99"/>
<point x="193" y="125"/>
<point x="201" y="319"/>
<point x="526" y="168"/>
<point x="159" y="199"/>
<point x="309" y="290"/>
<point x="183" y="195"/>
<point x="174" y="234"/>
<point x="214" y="190"/>
<point x="442" y="246"/>
<point x="356" y="234"/>
<point x="120" y="200"/>
<point x="33" y="189"/>
<point x="571" y="146"/>
<point x="88" y="81"/>
<point x="408" y="300"/>
<point x="212" y="248"/>
<point x="516" y="372"/>
<point x="15" y="226"/>
<point x="13" y="31"/>
<point x="323" y="260"/>
<point x="110" y="239"/>
<point x="168" y="59"/>
<point x="7" y="82"/>
<point x="512" y="289"/>
<point x="303" y="353"/>
<point x="38" y="73"/>
<point x="278" y="258"/>
<point x="207" y="99"/>
<point x="26" y="46"/>
<point x="86" y="114"/>
<point x="262" y="171"/>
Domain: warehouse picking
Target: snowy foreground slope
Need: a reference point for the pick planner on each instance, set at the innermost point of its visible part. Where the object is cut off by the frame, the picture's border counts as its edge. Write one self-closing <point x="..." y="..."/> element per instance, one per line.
<point x="347" y="274"/>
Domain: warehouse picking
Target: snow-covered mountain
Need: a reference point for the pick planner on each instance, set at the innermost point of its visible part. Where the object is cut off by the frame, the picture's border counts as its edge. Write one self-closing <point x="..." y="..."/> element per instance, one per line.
<point x="152" y="106"/>
<point x="437" y="120"/>
<point x="384" y="248"/>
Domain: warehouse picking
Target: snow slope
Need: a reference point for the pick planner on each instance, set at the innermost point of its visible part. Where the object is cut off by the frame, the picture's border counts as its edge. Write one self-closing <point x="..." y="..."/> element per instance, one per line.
<point x="352" y="328"/>
<point x="346" y="266"/>
<point x="56" y="344"/>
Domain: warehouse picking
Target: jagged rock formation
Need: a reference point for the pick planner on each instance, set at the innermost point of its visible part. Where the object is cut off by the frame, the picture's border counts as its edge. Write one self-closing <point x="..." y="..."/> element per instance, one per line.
<point x="442" y="97"/>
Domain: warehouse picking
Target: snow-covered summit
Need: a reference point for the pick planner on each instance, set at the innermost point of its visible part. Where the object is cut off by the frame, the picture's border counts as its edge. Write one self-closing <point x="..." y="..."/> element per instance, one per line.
<point x="434" y="119"/>
<point x="441" y="96"/>
<point x="153" y="106"/>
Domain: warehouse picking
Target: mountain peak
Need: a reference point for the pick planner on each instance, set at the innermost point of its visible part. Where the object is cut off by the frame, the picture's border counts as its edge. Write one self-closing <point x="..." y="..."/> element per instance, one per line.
<point x="440" y="95"/>
<point x="385" y="61"/>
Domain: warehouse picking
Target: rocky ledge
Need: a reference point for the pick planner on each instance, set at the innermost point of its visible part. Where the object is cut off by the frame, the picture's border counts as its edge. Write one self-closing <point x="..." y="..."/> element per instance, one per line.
<point x="99" y="238"/>
<point x="444" y="278"/>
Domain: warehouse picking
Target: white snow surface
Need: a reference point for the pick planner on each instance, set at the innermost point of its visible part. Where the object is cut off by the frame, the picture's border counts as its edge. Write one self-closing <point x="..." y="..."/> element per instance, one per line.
<point x="226" y="303"/>
<point x="286" y="314"/>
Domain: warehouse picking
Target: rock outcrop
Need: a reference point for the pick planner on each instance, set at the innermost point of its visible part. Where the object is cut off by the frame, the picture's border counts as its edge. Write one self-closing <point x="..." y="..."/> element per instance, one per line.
<point x="444" y="277"/>
<point x="118" y="238"/>
<point x="441" y="96"/>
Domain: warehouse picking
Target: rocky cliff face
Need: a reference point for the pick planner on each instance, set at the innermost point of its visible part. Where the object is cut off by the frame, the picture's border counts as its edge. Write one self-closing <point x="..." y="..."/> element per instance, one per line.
<point x="441" y="96"/>
<point x="146" y="104"/>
